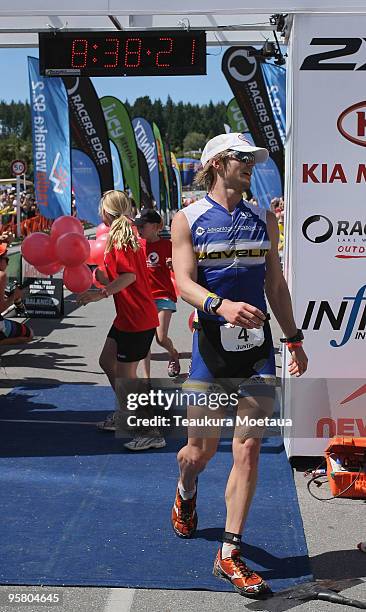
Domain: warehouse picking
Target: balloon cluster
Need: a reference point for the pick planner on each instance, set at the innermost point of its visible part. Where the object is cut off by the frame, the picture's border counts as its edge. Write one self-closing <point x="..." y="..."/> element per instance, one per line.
<point x="66" y="247"/>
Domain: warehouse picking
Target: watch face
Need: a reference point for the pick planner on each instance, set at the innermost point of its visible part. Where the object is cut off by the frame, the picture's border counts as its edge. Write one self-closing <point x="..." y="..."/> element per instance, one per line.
<point x="216" y="303"/>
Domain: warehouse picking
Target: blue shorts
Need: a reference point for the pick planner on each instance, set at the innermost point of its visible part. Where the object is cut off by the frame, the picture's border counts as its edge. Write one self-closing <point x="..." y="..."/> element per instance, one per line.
<point x="165" y="304"/>
<point x="249" y="373"/>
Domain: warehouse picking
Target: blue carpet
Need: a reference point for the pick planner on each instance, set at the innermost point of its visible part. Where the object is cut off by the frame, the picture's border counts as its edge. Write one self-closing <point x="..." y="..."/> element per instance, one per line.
<point x="79" y="510"/>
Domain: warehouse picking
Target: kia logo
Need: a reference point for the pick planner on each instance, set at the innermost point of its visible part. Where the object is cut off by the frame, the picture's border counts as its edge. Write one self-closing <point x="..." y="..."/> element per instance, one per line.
<point x="352" y="123"/>
<point x="317" y="237"/>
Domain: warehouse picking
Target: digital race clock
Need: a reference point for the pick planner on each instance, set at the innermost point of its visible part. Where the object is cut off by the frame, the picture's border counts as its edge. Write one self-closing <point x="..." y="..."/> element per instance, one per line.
<point x="122" y="53"/>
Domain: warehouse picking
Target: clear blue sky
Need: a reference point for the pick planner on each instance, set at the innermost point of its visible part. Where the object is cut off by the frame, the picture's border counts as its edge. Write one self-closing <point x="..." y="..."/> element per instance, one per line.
<point x="197" y="90"/>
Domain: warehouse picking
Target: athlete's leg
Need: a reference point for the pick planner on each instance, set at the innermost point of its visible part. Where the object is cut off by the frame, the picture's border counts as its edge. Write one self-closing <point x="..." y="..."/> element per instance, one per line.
<point x="229" y="563"/>
<point x="146" y="365"/>
<point x="194" y="456"/>
<point x="192" y="460"/>
<point x="243" y="476"/>
<point x="162" y="337"/>
<point x="108" y="360"/>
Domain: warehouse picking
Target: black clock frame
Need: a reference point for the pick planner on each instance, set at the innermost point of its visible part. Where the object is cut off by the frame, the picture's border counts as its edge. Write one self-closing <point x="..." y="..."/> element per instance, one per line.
<point x="128" y="53"/>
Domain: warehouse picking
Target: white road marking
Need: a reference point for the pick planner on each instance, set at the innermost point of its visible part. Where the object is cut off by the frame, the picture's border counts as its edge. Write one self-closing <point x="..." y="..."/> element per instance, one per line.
<point x="120" y="600"/>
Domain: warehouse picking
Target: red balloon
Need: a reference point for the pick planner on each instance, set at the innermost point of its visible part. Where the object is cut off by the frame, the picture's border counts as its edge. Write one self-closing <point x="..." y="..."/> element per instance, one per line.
<point x="90" y="259"/>
<point x="96" y="283"/>
<point x="190" y="320"/>
<point x="102" y="229"/>
<point x="72" y="249"/>
<point x="65" y="225"/>
<point x="99" y="248"/>
<point x="50" y="269"/>
<point x="38" y="249"/>
<point x="78" y="278"/>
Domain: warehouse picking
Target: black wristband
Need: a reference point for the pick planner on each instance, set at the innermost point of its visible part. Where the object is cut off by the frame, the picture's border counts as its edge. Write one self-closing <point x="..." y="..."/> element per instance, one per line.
<point x="298" y="337"/>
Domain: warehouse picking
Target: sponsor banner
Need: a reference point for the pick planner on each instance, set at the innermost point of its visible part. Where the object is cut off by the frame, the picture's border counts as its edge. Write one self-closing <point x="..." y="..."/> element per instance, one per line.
<point x="171" y="178"/>
<point x="51" y="143"/>
<point x="88" y="128"/>
<point x="86" y="186"/>
<point x="165" y="201"/>
<point x="275" y="80"/>
<point x="266" y="181"/>
<point x="44" y="298"/>
<point x="326" y="223"/>
<point x="245" y="77"/>
<point x="178" y="183"/>
<point x="177" y="180"/>
<point x="120" y="131"/>
<point x="145" y="141"/>
<point x="145" y="184"/>
<point x="235" y="117"/>
<point x="117" y="168"/>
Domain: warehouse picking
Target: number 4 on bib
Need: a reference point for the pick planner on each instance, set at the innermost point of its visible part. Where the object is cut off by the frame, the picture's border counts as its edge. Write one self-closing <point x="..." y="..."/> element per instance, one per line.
<point x="234" y="338"/>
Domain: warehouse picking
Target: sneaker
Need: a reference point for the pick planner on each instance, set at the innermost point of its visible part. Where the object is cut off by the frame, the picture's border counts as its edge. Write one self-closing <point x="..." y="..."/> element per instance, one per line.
<point x="109" y="423"/>
<point x="140" y="443"/>
<point x="235" y="570"/>
<point x="173" y="368"/>
<point x="184" y="516"/>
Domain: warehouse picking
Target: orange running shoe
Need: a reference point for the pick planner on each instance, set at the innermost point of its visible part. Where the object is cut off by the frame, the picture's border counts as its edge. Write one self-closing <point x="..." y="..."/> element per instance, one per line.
<point x="235" y="570"/>
<point x="184" y="515"/>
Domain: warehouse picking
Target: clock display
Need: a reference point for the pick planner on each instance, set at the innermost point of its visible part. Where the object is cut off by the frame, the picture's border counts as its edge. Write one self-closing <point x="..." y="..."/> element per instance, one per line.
<point x="122" y="53"/>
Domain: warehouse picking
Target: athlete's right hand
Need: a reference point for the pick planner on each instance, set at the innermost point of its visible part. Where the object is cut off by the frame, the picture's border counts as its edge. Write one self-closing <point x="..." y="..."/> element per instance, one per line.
<point x="242" y="314"/>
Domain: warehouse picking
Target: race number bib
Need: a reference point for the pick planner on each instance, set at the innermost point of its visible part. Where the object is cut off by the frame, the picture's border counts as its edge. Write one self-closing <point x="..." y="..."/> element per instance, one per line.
<point x="234" y="338"/>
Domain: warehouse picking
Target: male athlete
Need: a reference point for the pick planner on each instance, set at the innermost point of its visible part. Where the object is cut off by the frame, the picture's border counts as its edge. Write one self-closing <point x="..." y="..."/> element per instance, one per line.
<point x="225" y="259"/>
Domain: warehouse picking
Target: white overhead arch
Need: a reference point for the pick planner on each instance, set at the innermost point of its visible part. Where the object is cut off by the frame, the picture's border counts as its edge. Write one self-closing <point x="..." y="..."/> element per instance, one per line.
<point x="228" y="23"/>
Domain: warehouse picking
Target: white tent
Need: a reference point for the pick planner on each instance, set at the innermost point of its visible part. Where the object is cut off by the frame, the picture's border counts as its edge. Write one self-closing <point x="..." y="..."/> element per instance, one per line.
<point x="227" y="23"/>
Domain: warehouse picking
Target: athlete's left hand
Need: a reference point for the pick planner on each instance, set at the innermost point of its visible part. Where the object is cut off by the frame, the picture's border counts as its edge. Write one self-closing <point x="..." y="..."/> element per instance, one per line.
<point x="299" y="362"/>
<point x="89" y="296"/>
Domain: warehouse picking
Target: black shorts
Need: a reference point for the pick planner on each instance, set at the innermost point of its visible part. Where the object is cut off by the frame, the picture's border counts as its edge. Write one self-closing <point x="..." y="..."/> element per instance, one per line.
<point x="131" y="346"/>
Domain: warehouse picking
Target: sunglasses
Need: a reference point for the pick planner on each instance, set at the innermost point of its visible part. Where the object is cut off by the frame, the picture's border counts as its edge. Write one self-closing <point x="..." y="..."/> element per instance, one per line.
<point x="5" y="258"/>
<point x="246" y="158"/>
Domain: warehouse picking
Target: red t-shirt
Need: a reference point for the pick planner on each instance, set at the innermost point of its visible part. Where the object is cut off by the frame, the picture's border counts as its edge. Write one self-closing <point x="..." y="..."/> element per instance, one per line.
<point x="135" y="307"/>
<point x="160" y="280"/>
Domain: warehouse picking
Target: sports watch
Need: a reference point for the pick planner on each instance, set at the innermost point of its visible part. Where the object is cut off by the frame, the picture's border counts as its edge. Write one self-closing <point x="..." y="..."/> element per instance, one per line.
<point x="215" y="304"/>
<point x="298" y="337"/>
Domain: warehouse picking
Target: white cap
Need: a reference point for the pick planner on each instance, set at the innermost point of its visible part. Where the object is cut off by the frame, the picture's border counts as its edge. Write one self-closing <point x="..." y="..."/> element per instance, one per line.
<point x="235" y="141"/>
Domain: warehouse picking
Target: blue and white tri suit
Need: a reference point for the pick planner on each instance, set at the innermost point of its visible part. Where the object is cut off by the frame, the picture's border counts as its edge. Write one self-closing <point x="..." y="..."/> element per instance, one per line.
<point x="230" y="249"/>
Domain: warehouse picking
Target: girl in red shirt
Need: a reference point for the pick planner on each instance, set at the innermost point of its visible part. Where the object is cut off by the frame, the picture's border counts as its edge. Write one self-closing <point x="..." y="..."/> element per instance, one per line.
<point x="133" y="329"/>
<point x="158" y="253"/>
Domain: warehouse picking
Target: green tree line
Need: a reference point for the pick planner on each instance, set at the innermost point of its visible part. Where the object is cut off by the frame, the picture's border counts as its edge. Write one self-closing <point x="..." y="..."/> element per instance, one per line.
<point x="186" y="127"/>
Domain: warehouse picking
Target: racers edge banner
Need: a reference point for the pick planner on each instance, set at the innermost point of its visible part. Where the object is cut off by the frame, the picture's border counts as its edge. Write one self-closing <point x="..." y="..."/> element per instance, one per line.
<point x="266" y="182"/>
<point x="86" y="186"/>
<point x="145" y="140"/>
<point x="88" y="129"/>
<point x="325" y="246"/>
<point x="121" y="132"/>
<point x="244" y="75"/>
<point x="51" y="143"/>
